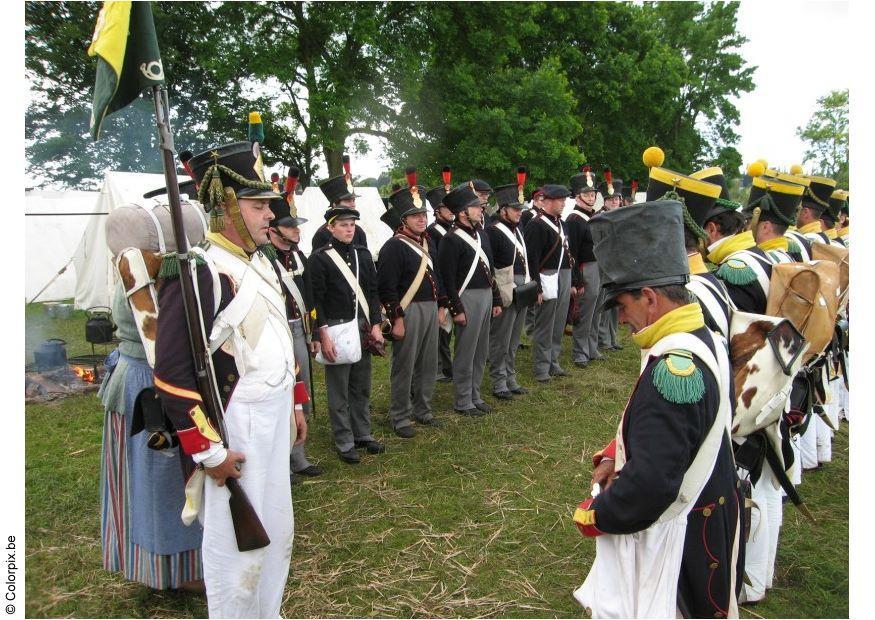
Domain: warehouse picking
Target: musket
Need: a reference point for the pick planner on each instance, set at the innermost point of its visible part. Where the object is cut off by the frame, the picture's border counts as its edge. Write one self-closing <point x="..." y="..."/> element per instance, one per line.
<point x="778" y="469"/>
<point x="248" y="529"/>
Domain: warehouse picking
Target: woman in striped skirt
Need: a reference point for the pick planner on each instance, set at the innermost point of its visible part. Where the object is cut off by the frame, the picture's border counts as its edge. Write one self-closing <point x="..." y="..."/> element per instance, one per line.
<point x="142" y="490"/>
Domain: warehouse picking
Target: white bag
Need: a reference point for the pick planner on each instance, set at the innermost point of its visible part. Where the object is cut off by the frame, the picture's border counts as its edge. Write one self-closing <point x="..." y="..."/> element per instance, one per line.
<point x="347" y="343"/>
<point x="550" y="286"/>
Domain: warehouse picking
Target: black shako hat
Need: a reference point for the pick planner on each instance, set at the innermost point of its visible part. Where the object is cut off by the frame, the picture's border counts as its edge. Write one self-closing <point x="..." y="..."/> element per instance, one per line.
<point x="640" y="245"/>
<point x="340" y="213"/>
<point x="778" y="201"/>
<point x="508" y="196"/>
<point x="585" y="181"/>
<point x="482" y="186"/>
<point x="818" y="193"/>
<point x="698" y="196"/>
<point x="837" y="203"/>
<point x="460" y="197"/>
<point x="337" y="189"/>
<point x="405" y="202"/>
<point x="185" y="187"/>
<point x="237" y="157"/>
<point x="555" y="191"/>
<point x="614" y="189"/>
<point x="435" y="196"/>
<point x="282" y="215"/>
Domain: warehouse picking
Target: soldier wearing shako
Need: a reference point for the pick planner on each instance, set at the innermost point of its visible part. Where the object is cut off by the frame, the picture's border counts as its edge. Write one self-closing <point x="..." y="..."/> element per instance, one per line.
<point x="815" y="201"/>
<point x="285" y="235"/>
<point x="831" y="216"/>
<point x="844" y="224"/>
<point x="343" y="284"/>
<point x="443" y="222"/>
<point x="798" y="245"/>
<point x="511" y="270"/>
<point x="244" y="316"/>
<point x="340" y="193"/>
<point x="772" y="207"/>
<point x="611" y="190"/>
<point x="584" y="335"/>
<point x="550" y="263"/>
<point x="698" y="197"/>
<point x="672" y="456"/>
<point x="465" y="262"/>
<point x="412" y="293"/>
<point x="629" y="192"/>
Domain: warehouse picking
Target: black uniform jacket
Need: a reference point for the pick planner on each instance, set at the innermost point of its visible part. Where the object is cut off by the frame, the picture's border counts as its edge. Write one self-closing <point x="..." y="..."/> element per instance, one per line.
<point x="396" y="270"/>
<point x="504" y="251"/>
<point x="454" y="261"/>
<point x="293" y="260"/>
<point x="579" y="237"/>
<point x="751" y="297"/>
<point x="435" y="234"/>
<point x="543" y="247"/>
<point x="332" y="297"/>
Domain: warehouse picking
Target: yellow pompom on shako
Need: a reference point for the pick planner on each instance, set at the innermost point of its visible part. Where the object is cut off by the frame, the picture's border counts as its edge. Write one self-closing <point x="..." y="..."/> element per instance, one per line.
<point x="757" y="168"/>
<point x="796" y="169"/>
<point x="653" y="157"/>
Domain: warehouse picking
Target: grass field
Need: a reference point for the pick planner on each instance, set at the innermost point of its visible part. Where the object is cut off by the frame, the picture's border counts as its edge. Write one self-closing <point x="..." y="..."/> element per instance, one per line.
<point x="472" y="519"/>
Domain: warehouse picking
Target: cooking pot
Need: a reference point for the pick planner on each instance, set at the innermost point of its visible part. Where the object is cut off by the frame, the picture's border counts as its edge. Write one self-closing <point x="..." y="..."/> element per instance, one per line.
<point x="50" y="354"/>
<point x="99" y="326"/>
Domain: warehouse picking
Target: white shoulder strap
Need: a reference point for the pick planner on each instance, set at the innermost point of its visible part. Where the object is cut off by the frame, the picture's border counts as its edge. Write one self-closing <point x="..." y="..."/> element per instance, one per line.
<point x="711" y="298"/>
<point x="478" y="254"/>
<point x="351" y="280"/>
<point x="214" y="272"/>
<point x="703" y="464"/>
<point x="756" y="263"/>
<point x="440" y="228"/>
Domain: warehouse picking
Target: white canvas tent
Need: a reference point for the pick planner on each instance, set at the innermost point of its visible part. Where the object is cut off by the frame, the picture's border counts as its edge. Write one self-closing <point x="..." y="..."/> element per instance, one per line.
<point x="53" y="226"/>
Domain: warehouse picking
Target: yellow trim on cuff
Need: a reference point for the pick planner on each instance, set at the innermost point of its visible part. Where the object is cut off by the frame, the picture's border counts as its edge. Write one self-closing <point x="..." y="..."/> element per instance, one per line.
<point x="678" y="180"/>
<point x="713" y="171"/>
<point x="778" y="186"/>
<point x="584" y="517"/>
<point x="176" y="391"/>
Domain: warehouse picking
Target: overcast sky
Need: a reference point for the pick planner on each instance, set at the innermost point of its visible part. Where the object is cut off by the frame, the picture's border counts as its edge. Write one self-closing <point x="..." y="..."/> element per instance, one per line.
<point x="787" y="41"/>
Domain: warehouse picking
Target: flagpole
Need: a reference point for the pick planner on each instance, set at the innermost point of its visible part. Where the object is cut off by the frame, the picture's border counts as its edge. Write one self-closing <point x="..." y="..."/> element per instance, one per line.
<point x="248" y="529"/>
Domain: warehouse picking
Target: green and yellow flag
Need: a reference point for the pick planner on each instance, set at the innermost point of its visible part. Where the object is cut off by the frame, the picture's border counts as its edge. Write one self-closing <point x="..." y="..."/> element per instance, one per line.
<point x="128" y="60"/>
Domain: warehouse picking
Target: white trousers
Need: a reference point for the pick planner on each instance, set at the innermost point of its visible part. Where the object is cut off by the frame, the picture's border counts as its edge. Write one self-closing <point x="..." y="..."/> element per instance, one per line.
<point x="636" y="575"/>
<point x="765" y="525"/>
<point x="250" y="584"/>
<point x="808" y="443"/>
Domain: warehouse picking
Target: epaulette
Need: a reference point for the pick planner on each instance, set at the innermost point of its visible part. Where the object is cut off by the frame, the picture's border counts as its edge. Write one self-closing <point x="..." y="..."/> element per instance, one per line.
<point x="737" y="272"/>
<point x="677" y="379"/>
<point x="269" y="251"/>
<point x="793" y="247"/>
<point x="170" y="264"/>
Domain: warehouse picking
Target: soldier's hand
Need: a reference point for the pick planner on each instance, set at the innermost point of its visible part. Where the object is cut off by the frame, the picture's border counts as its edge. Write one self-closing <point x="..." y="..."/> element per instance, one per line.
<point x="604" y="474"/>
<point x="328" y="351"/>
<point x="300" y="425"/>
<point x="229" y="468"/>
<point x="496" y="310"/>
<point x="574" y="291"/>
<point x="442" y="316"/>
<point x="315" y="347"/>
<point x="398" y="329"/>
<point x="540" y="298"/>
<point x="460" y="319"/>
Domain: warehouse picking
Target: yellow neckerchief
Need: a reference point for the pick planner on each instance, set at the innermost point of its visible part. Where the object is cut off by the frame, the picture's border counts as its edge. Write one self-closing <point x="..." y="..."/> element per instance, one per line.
<point x="741" y="241"/>
<point x="792" y="229"/>
<point x="778" y="243"/>
<point x="844" y="232"/>
<point x="686" y="318"/>
<point x="832" y="233"/>
<point x="223" y="242"/>
<point x="697" y="263"/>
<point x="811" y="227"/>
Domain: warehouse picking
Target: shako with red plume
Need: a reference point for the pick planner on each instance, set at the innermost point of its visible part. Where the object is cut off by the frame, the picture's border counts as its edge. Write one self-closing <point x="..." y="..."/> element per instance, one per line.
<point x="609" y="181"/>
<point x="521" y="182"/>
<point x="291" y="184"/>
<point x="410" y="173"/>
<point x="587" y="170"/>
<point x="347" y="174"/>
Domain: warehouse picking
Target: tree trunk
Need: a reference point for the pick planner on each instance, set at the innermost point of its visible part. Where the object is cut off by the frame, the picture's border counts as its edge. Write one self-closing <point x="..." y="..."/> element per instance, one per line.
<point x="334" y="160"/>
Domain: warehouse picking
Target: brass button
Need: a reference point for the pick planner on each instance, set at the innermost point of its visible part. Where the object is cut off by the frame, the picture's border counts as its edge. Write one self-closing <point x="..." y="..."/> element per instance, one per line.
<point x="721" y="501"/>
<point x="713" y="565"/>
<point x="226" y="388"/>
<point x="231" y="377"/>
<point x="707" y="512"/>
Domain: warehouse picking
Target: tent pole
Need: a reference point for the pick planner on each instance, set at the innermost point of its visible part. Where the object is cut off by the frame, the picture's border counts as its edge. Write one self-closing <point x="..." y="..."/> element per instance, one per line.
<point x="42" y="290"/>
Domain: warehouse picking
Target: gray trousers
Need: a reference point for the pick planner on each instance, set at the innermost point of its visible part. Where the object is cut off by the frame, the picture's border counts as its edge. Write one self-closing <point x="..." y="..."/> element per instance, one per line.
<point x="472" y="348"/>
<point x="504" y="336"/>
<point x="349" y="394"/>
<point x="608" y="328"/>
<point x="302" y="357"/>
<point x="413" y="359"/>
<point x="530" y="320"/>
<point x="550" y="319"/>
<point x="583" y="344"/>
<point x="445" y="357"/>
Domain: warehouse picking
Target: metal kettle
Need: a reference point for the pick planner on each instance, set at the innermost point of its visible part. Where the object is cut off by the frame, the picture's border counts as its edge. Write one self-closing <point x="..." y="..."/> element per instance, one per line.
<point x="99" y="327"/>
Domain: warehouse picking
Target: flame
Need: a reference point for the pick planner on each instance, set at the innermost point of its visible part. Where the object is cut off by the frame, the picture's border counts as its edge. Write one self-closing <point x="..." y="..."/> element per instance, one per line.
<point x="84" y="374"/>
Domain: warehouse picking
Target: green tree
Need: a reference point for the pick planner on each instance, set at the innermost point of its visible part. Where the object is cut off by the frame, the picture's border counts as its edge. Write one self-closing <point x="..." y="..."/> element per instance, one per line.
<point x="827" y="136"/>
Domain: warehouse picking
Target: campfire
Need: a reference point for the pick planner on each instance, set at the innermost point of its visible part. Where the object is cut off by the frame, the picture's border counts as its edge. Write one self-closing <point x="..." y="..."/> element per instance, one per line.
<point x="53" y="375"/>
<point x="85" y="374"/>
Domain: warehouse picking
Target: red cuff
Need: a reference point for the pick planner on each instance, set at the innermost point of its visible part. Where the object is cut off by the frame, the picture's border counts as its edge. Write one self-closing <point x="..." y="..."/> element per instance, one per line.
<point x="301" y="396"/>
<point x="192" y="441"/>
<point x="608" y="452"/>
<point x="584" y="519"/>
